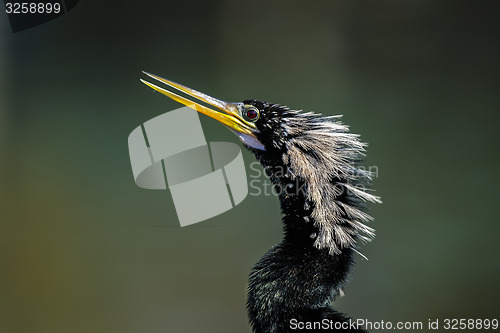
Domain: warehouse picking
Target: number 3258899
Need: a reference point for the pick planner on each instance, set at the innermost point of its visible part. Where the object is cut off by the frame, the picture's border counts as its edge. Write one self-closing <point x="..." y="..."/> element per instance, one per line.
<point x="32" y="8"/>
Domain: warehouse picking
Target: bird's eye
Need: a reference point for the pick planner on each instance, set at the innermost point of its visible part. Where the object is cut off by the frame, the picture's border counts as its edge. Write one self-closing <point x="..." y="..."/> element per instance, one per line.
<point x="251" y="113"/>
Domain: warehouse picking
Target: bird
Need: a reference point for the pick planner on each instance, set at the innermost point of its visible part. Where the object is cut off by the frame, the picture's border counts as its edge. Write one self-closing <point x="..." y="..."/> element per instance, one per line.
<point x="315" y="161"/>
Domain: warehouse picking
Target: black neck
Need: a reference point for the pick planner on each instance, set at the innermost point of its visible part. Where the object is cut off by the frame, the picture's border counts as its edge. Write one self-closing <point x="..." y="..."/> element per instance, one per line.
<point x="295" y="280"/>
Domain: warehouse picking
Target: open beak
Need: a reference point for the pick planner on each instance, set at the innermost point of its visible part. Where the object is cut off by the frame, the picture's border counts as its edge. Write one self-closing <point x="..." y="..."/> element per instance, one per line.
<point x="231" y="112"/>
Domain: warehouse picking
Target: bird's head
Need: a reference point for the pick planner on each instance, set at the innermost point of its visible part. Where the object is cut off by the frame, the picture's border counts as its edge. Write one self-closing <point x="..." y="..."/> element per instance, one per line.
<point x="314" y="148"/>
<point x="261" y="126"/>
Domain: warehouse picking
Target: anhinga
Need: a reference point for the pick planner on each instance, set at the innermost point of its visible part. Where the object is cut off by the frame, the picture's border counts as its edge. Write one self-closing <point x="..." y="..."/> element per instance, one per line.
<point x="315" y="159"/>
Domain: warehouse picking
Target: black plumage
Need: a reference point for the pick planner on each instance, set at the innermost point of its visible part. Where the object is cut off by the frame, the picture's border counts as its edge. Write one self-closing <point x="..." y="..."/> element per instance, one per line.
<point x="299" y="278"/>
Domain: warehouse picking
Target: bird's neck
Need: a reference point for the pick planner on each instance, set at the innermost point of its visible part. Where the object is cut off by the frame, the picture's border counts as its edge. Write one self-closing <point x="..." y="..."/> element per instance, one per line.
<point x="295" y="280"/>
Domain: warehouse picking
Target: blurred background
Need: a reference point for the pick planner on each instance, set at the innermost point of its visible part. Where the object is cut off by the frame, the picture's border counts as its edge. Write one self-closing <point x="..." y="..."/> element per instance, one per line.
<point x="83" y="249"/>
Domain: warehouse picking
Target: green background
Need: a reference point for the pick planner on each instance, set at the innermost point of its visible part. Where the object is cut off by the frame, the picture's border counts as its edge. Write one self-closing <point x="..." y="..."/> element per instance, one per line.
<point x="83" y="249"/>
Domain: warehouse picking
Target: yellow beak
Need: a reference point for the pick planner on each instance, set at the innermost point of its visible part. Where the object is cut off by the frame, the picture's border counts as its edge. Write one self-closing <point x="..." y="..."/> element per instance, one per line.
<point x="231" y="112"/>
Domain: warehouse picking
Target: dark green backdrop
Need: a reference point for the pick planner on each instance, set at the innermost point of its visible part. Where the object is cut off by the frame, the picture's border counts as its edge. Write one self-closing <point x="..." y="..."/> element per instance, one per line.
<point x="83" y="249"/>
